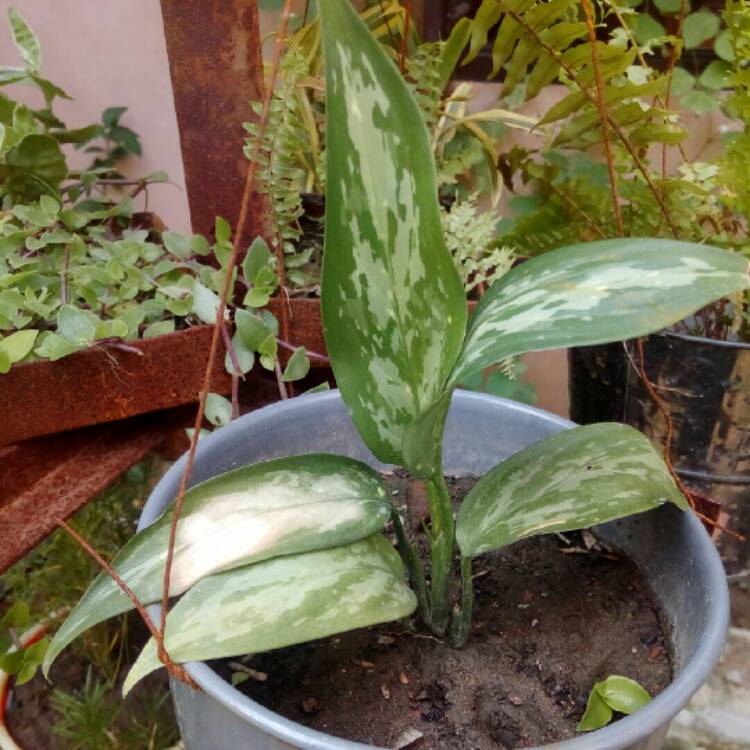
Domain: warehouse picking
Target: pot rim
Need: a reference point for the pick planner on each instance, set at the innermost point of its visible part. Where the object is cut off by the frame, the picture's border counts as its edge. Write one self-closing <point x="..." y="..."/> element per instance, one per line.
<point x="621" y="734"/>
<point x="706" y="341"/>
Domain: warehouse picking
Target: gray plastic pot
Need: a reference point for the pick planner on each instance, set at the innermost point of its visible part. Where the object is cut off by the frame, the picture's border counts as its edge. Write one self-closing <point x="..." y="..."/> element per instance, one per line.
<point x="671" y="548"/>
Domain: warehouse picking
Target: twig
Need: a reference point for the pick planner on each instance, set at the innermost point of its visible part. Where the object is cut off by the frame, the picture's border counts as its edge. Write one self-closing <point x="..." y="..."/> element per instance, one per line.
<point x="113" y="342"/>
<point x="283" y="392"/>
<point x="293" y="348"/>
<point x="17" y="642"/>
<point x="242" y="218"/>
<point x="236" y="371"/>
<point x="175" y="669"/>
<point x="603" y="116"/>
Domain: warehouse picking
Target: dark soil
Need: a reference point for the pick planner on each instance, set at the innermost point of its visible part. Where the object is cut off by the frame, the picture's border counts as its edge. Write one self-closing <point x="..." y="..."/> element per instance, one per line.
<point x="553" y="615"/>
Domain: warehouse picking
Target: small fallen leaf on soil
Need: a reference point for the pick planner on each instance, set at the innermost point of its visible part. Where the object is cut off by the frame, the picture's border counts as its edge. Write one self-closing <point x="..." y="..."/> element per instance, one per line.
<point x="403" y="679"/>
<point x="310" y="705"/>
<point x="655" y="652"/>
<point x="385" y="691"/>
<point x="408" y="739"/>
<point x="248" y="672"/>
<point x="363" y="664"/>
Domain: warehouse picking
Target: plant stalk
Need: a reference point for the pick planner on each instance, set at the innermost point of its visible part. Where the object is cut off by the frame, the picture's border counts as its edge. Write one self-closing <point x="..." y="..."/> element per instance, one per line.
<point x="461" y="623"/>
<point x="443" y="539"/>
<point x="414" y="566"/>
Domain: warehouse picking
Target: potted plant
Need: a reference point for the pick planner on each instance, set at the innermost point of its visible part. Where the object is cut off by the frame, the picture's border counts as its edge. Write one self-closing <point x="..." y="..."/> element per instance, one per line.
<point x="273" y="549"/>
<point x="98" y="300"/>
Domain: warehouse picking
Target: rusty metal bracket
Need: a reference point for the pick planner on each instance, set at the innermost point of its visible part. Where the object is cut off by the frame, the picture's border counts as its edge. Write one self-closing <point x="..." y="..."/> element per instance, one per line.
<point x="52" y="477"/>
<point x="216" y="66"/>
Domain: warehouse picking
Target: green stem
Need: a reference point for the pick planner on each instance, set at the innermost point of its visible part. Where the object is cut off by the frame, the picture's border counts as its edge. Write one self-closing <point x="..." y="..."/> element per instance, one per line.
<point x="414" y="566"/>
<point x="443" y="540"/>
<point x="461" y="624"/>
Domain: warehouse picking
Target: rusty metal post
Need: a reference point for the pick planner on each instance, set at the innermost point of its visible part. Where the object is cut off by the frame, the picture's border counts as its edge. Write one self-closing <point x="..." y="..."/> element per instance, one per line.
<point x="216" y="66"/>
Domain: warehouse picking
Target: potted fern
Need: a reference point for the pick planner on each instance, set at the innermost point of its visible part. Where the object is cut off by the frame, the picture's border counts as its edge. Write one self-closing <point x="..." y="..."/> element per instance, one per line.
<point x="281" y="537"/>
<point x="689" y="381"/>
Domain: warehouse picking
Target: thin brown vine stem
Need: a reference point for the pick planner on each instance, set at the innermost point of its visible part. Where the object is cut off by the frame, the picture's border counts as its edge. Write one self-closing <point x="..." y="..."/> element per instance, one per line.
<point x="175" y="669"/>
<point x="588" y="12"/>
<point x="241" y="220"/>
<point x="236" y="371"/>
<point x="283" y="391"/>
<point x="311" y="354"/>
<point x="613" y="124"/>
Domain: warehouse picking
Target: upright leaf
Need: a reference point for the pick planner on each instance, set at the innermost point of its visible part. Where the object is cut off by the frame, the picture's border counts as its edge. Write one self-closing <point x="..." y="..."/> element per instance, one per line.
<point x="284" y="601"/>
<point x="594" y="293"/>
<point x="25" y="40"/>
<point x="578" y="478"/>
<point x="279" y="507"/>
<point x="393" y="306"/>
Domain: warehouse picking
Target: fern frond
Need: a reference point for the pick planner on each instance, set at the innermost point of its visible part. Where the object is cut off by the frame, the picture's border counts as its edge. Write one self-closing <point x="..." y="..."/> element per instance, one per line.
<point x="540" y="41"/>
<point x="423" y="74"/>
<point x="470" y="236"/>
<point x="283" y="164"/>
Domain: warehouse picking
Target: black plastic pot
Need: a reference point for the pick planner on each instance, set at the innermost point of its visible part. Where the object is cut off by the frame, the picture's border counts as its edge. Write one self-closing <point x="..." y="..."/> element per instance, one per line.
<point x="671" y="548"/>
<point x="705" y="385"/>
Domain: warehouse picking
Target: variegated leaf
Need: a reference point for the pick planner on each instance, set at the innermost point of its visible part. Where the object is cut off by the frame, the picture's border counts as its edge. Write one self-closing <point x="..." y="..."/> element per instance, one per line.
<point x="595" y="293"/>
<point x="573" y="480"/>
<point x="278" y="507"/>
<point x="284" y="601"/>
<point x="394" y="311"/>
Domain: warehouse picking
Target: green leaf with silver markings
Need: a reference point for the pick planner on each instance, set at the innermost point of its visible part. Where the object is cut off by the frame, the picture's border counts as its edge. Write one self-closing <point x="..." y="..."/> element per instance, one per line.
<point x="594" y="293"/>
<point x="253" y="513"/>
<point x="393" y="306"/>
<point x="284" y="601"/>
<point x="573" y="480"/>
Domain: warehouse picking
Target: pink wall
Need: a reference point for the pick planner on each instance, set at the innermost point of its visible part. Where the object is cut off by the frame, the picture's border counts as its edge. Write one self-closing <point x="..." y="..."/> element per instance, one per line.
<point x="106" y="53"/>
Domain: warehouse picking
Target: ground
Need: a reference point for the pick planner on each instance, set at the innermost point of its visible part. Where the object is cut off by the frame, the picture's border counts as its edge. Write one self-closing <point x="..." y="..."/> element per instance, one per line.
<point x="718" y="717"/>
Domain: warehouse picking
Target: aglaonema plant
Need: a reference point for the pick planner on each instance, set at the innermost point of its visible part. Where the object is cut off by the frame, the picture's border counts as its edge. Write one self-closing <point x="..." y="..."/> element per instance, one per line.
<point x="293" y="549"/>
